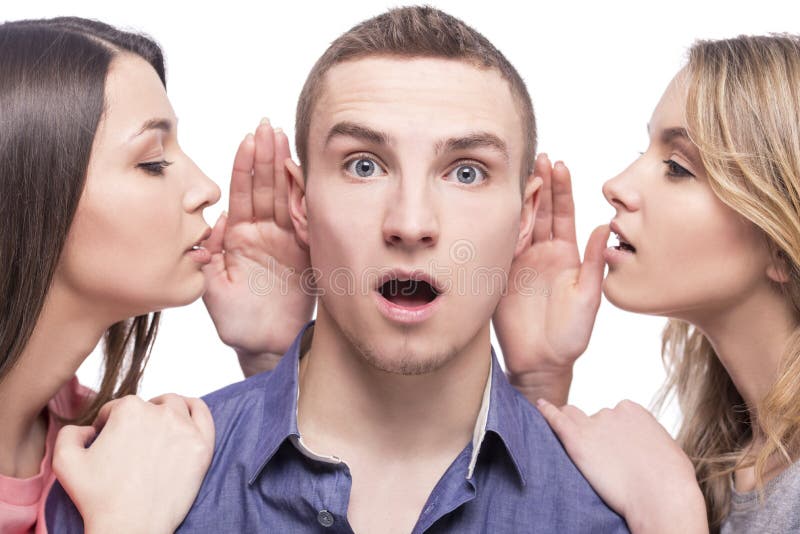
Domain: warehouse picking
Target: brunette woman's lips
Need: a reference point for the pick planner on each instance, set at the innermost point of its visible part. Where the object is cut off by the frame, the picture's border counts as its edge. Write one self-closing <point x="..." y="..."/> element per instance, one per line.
<point x="200" y="255"/>
<point x="617" y="255"/>
<point x="197" y="252"/>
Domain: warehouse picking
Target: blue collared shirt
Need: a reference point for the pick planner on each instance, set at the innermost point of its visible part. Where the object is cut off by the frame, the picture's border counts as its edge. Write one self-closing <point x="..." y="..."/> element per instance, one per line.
<point x="262" y="479"/>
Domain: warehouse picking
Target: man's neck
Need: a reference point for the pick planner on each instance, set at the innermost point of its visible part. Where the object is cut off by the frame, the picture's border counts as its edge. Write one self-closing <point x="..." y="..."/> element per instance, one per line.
<point x="397" y="434"/>
<point x="345" y="399"/>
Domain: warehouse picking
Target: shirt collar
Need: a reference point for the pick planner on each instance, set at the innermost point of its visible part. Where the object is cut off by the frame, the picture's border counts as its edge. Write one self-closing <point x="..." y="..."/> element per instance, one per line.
<point x="498" y="413"/>
<point x="505" y="419"/>
<point x="279" y="410"/>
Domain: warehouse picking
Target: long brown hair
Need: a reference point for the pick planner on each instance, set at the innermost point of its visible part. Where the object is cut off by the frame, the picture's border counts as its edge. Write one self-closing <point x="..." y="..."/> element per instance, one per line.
<point x="743" y="114"/>
<point x="51" y="101"/>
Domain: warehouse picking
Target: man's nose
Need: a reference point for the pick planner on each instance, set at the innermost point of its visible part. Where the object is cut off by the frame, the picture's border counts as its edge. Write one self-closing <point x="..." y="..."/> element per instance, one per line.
<point x="411" y="220"/>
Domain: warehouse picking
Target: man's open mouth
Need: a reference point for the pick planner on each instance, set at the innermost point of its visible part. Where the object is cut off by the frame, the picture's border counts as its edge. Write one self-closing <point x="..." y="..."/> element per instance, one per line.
<point x="408" y="292"/>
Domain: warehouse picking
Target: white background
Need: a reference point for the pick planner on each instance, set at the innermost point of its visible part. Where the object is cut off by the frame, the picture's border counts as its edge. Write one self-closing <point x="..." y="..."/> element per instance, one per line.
<point x="595" y="71"/>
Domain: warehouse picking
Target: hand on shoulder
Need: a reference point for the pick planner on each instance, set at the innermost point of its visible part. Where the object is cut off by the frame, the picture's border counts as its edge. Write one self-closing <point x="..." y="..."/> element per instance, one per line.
<point x="633" y="464"/>
<point x="143" y="469"/>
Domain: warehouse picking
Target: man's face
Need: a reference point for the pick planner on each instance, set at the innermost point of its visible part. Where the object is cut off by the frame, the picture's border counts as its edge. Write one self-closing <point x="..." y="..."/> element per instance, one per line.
<point x="412" y="209"/>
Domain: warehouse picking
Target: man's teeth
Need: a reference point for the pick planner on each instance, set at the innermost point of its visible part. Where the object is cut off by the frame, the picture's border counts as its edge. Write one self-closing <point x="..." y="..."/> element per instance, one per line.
<point x="197" y="247"/>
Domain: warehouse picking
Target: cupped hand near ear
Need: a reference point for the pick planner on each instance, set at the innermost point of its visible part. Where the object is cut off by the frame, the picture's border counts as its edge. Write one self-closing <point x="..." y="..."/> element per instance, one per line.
<point x="258" y="285"/>
<point x="545" y="320"/>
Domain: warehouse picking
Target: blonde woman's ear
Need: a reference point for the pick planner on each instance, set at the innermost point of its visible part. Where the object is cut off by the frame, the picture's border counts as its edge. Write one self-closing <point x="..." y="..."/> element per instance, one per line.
<point x="779" y="270"/>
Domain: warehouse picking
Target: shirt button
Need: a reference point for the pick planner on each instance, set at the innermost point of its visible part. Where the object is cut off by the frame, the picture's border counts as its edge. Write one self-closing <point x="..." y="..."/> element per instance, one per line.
<point x="325" y="518"/>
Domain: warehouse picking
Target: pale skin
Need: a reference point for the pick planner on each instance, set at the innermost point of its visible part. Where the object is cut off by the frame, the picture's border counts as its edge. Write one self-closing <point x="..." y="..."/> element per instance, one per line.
<point x="740" y="312"/>
<point x="396" y="430"/>
<point x="165" y="445"/>
<point x="99" y="283"/>
<point x="260" y="251"/>
<point x="726" y="290"/>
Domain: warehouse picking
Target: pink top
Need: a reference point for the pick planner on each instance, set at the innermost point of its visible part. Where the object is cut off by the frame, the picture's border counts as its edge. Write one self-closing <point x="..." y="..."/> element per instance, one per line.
<point x="22" y="500"/>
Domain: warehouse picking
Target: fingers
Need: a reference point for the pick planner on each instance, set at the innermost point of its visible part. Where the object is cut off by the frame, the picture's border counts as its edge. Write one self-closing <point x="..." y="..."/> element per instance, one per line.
<point x="214" y="242"/>
<point x="282" y="153"/>
<point x="543" y="225"/>
<point x="264" y="172"/>
<point x="593" y="267"/>
<point x="72" y="436"/>
<point x="241" y="198"/>
<point x="201" y="415"/>
<point x="577" y="415"/>
<point x="563" y="204"/>
<point x="559" y="420"/>
<point x="173" y="402"/>
<point x="105" y="412"/>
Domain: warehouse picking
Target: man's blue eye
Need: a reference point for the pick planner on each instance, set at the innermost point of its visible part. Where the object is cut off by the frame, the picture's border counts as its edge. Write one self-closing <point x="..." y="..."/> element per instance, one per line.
<point x="467" y="174"/>
<point x="364" y="168"/>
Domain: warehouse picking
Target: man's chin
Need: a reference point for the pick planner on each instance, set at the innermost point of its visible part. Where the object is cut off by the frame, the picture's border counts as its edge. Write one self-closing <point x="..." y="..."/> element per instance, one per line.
<point x="406" y="362"/>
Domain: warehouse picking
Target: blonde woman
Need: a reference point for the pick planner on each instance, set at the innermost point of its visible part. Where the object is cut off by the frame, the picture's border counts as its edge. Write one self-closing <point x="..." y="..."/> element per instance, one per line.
<point x="708" y="220"/>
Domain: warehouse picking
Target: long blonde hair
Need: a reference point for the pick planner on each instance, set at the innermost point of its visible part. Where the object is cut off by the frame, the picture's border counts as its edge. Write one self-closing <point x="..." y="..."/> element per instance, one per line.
<point x="743" y="113"/>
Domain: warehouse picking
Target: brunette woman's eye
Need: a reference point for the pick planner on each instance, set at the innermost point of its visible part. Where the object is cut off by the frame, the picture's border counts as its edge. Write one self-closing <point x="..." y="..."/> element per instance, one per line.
<point x="675" y="170"/>
<point x="154" y="168"/>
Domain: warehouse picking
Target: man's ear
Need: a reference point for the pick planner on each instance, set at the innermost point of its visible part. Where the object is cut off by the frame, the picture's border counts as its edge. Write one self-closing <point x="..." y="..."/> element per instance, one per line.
<point x="297" y="201"/>
<point x="779" y="269"/>
<point x="530" y="205"/>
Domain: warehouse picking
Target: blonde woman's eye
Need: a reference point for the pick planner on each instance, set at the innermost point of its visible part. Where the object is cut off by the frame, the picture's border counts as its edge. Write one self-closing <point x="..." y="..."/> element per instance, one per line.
<point x="364" y="168"/>
<point x="467" y="174"/>
<point x="675" y="170"/>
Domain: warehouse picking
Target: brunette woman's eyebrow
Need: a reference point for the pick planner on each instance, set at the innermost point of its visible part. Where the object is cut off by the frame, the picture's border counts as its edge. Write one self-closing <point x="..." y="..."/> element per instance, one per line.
<point x="165" y="125"/>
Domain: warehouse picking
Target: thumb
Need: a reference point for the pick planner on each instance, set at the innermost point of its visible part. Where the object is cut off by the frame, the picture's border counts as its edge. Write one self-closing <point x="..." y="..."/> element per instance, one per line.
<point x="592" y="270"/>
<point x="214" y="242"/>
<point x="70" y="445"/>
<point x="215" y="273"/>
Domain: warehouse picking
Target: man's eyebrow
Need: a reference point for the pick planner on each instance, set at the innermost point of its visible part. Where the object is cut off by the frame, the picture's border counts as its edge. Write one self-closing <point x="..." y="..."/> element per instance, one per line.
<point x="165" y="125"/>
<point x="358" y="131"/>
<point x="474" y="140"/>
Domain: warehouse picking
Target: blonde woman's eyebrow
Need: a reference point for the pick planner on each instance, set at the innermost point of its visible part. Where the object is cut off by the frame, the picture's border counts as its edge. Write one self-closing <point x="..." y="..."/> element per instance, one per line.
<point x="678" y="133"/>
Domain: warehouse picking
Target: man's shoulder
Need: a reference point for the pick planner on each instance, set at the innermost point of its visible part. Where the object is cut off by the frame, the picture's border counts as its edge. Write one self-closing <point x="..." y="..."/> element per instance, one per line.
<point x="536" y="447"/>
<point x="238" y="392"/>
<point x="239" y="410"/>
<point x="524" y="418"/>
<point x="551" y="479"/>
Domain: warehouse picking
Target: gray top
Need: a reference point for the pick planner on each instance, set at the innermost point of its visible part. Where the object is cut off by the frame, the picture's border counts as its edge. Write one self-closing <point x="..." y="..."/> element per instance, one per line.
<point x="778" y="512"/>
